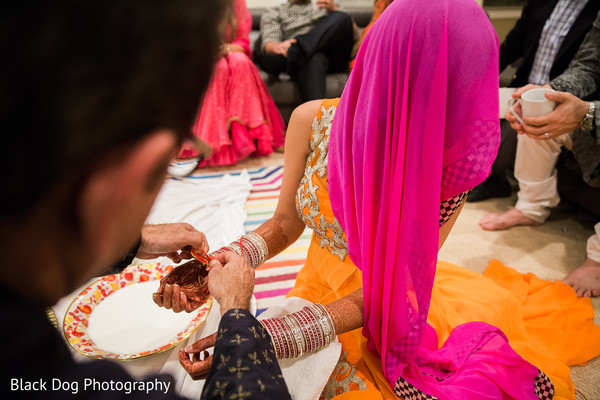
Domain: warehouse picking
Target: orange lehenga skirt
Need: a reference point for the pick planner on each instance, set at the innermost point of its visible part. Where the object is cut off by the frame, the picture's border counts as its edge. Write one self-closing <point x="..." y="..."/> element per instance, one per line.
<point x="545" y="322"/>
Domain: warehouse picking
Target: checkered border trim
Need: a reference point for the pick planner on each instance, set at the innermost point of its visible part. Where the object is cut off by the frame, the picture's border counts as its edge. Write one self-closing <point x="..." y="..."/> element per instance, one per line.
<point x="406" y="391"/>
<point x="448" y="207"/>
<point x="544" y="389"/>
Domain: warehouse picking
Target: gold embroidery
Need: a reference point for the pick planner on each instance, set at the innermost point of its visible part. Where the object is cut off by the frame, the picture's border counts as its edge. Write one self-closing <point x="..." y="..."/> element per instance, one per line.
<point x="262" y="331"/>
<point x="239" y="369"/>
<point x="238" y="339"/>
<point x="223" y="361"/>
<point x="254" y="332"/>
<point x="254" y="358"/>
<point x="341" y="378"/>
<point x="221" y="333"/>
<point x="236" y="313"/>
<point x="220" y="389"/>
<point x="240" y="393"/>
<point x="261" y="385"/>
<point x="268" y="359"/>
<point x="330" y="234"/>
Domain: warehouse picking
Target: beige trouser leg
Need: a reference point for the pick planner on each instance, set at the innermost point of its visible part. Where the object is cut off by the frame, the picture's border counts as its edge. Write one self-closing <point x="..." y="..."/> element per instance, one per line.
<point x="593" y="245"/>
<point x="535" y="170"/>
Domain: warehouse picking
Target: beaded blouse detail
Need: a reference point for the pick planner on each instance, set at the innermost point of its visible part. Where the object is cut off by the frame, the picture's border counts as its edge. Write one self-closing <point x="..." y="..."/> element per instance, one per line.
<point x="312" y="198"/>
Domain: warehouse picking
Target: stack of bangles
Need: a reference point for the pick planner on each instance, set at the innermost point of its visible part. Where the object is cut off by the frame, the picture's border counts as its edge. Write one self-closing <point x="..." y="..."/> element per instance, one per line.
<point x="303" y="332"/>
<point x="251" y="246"/>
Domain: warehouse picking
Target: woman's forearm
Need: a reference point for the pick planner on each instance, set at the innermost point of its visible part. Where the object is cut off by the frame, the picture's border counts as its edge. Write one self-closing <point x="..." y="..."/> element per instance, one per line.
<point x="347" y="313"/>
<point x="280" y="232"/>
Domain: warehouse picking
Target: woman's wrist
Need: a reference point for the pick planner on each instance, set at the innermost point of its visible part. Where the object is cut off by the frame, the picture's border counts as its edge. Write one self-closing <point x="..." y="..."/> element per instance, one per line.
<point x="302" y="332"/>
<point x="250" y="246"/>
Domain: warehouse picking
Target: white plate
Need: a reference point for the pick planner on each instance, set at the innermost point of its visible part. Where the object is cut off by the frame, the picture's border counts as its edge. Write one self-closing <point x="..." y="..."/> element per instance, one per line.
<point x="116" y="318"/>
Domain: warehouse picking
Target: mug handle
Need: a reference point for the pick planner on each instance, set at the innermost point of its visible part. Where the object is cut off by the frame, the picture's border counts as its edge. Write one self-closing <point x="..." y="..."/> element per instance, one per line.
<point x="511" y="104"/>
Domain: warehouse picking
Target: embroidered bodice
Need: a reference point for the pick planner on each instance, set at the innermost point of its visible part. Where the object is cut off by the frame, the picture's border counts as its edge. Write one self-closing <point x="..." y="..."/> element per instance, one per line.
<point x="312" y="196"/>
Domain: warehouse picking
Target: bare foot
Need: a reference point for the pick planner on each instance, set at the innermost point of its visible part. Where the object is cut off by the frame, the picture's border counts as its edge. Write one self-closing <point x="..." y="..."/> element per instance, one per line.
<point x="505" y="220"/>
<point x="585" y="279"/>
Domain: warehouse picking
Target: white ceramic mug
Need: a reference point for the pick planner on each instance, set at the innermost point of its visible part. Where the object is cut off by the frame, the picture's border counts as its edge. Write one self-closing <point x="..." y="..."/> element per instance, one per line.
<point x="505" y="96"/>
<point x="533" y="104"/>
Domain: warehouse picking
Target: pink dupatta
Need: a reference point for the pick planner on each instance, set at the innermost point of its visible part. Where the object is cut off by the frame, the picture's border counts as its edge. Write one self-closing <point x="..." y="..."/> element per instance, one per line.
<point x="417" y="124"/>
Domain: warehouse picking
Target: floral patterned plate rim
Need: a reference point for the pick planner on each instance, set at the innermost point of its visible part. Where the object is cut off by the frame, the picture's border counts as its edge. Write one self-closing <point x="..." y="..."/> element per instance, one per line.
<point x="78" y="314"/>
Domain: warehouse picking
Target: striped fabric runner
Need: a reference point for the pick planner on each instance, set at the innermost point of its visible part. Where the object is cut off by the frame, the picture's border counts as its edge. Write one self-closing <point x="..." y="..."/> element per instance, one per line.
<point x="277" y="276"/>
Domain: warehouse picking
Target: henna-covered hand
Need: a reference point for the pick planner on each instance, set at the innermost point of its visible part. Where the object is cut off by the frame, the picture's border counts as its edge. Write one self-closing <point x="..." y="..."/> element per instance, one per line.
<point x="196" y="366"/>
<point x="185" y="288"/>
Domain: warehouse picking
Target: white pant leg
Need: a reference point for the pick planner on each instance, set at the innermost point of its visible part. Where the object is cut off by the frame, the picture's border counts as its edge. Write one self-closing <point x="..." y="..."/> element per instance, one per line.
<point x="535" y="170"/>
<point x="593" y="245"/>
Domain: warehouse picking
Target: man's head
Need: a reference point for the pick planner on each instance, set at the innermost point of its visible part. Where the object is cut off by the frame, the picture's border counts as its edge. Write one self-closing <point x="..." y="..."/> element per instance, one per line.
<point x="94" y="99"/>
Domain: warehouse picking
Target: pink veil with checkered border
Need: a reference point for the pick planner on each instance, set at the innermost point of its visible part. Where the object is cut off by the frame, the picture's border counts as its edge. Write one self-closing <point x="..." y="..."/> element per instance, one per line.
<point x="417" y="124"/>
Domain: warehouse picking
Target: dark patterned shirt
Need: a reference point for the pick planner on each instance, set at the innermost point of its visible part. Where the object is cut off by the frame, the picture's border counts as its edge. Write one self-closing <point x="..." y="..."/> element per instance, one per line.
<point x="244" y="364"/>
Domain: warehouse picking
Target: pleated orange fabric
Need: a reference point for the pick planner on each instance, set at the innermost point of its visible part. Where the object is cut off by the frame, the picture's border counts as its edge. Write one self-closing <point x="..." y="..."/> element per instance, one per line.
<point x="545" y="322"/>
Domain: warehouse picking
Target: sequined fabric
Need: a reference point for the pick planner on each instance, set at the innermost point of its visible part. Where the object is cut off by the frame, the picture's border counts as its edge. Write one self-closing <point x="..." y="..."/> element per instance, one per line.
<point x="312" y="197"/>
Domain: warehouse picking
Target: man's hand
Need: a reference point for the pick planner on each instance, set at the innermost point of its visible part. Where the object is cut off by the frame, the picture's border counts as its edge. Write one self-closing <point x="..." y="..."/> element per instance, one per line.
<point x="170" y="240"/>
<point x="514" y="123"/>
<point x="231" y="281"/>
<point x="566" y="117"/>
<point x="279" y="48"/>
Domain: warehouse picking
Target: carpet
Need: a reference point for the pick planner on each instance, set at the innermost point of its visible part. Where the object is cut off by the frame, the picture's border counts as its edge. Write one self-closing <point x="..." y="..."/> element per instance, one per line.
<point x="276" y="277"/>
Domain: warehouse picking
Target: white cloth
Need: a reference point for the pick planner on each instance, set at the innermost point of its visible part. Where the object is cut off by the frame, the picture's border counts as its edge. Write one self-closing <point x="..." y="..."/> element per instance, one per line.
<point x="214" y="206"/>
<point x="593" y="245"/>
<point x="535" y="170"/>
<point x="305" y="376"/>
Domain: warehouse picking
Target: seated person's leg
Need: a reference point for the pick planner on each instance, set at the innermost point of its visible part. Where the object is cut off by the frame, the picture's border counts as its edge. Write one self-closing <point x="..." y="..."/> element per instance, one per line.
<point x="535" y="170"/>
<point x="332" y="34"/>
<point x="586" y="278"/>
<point x="272" y="64"/>
<point x="311" y="78"/>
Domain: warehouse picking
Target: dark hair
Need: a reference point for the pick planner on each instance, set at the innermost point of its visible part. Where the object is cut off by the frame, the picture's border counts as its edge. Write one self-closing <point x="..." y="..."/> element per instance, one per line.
<point x="82" y="78"/>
